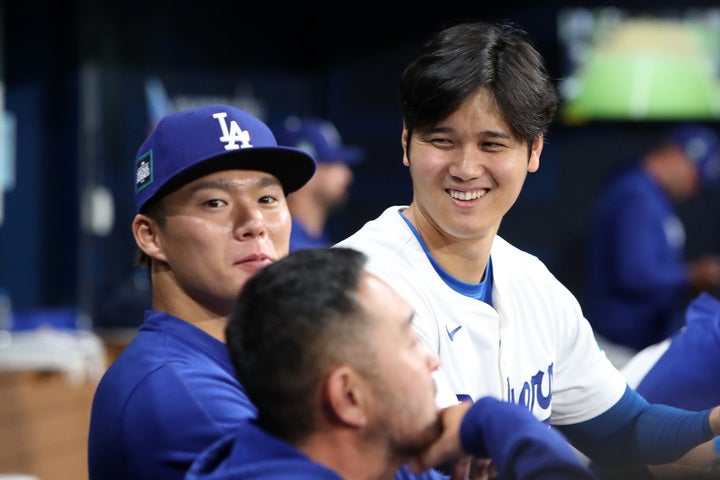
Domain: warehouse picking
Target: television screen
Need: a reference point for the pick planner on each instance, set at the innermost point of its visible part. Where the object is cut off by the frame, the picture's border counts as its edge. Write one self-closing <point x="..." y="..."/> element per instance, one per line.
<point x="621" y="64"/>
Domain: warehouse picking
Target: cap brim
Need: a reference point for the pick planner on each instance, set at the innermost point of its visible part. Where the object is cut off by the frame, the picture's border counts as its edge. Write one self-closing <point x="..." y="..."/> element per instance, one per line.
<point x="292" y="167"/>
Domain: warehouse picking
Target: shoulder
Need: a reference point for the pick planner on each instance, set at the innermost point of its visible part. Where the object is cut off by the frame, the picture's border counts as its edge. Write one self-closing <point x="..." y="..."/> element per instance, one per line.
<point x="509" y="260"/>
<point x="163" y="374"/>
<point x="377" y="233"/>
<point x="388" y="242"/>
<point x="252" y="453"/>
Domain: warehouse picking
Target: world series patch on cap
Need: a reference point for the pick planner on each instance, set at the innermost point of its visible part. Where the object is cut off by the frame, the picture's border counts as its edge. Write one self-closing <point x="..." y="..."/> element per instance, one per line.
<point x="187" y="145"/>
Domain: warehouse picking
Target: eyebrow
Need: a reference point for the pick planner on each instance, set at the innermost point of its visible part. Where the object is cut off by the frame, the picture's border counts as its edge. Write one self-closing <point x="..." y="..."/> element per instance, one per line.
<point x="228" y="184"/>
<point x="488" y="133"/>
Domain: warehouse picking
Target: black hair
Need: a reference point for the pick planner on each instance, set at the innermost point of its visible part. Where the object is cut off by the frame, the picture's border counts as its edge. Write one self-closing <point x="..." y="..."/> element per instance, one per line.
<point x="293" y="320"/>
<point x="461" y="59"/>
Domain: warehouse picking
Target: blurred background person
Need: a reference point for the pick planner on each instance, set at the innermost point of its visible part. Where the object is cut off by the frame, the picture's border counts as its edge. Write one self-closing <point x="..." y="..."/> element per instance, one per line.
<point x="639" y="280"/>
<point x="328" y="189"/>
<point x="682" y="370"/>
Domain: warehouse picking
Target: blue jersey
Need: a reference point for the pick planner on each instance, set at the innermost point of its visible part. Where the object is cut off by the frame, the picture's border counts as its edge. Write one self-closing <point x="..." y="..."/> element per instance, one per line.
<point x="520" y="446"/>
<point x="300" y="238"/>
<point x="170" y="394"/>
<point x="686" y="374"/>
<point x="637" y="282"/>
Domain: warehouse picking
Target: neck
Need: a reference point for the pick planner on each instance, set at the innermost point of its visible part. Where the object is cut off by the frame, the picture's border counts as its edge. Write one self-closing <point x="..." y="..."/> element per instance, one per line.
<point x="311" y="215"/>
<point x="351" y="457"/>
<point x="169" y="297"/>
<point x="463" y="258"/>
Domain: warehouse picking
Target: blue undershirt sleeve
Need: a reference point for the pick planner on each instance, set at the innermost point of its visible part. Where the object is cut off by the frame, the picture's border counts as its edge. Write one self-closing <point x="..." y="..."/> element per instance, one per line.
<point x="634" y="431"/>
<point x="520" y="445"/>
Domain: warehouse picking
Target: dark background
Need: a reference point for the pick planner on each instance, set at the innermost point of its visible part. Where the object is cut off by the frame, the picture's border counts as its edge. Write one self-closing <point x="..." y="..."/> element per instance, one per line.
<point x="75" y="74"/>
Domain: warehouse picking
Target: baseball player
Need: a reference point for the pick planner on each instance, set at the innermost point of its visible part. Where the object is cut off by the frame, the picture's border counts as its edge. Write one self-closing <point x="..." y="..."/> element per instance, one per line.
<point x="476" y="103"/>
<point x="211" y="210"/>
<point x="682" y="370"/>
<point x="639" y="281"/>
<point x="327" y="191"/>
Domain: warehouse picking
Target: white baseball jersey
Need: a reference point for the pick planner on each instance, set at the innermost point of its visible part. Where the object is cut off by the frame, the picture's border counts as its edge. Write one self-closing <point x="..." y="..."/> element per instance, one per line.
<point x="534" y="347"/>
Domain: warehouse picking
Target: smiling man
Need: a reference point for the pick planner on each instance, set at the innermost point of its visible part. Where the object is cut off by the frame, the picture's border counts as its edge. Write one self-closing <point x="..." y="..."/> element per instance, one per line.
<point x="476" y="104"/>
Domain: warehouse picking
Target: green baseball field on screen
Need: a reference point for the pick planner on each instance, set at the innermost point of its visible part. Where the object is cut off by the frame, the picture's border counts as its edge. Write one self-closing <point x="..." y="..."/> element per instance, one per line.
<point x="647" y="69"/>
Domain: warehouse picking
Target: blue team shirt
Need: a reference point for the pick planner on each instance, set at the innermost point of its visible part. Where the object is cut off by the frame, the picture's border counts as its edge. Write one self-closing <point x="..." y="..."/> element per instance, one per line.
<point x="170" y="394"/>
<point x="300" y="238"/>
<point x="686" y="375"/>
<point x="636" y="282"/>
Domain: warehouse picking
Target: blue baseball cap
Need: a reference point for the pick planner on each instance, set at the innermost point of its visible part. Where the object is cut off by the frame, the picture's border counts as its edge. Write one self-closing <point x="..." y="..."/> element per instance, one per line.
<point x="702" y="146"/>
<point x="187" y="145"/>
<point x="319" y="138"/>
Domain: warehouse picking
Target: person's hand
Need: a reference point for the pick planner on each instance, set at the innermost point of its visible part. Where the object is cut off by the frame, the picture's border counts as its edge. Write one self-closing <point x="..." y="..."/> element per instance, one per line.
<point x="482" y="469"/>
<point x="447" y="446"/>
<point x="695" y="464"/>
<point x="472" y="468"/>
<point x="715" y="420"/>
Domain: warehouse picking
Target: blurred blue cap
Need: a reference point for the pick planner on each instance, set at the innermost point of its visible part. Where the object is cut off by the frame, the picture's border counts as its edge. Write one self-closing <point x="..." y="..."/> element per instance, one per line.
<point x="702" y="146"/>
<point x="187" y="145"/>
<point x="319" y="138"/>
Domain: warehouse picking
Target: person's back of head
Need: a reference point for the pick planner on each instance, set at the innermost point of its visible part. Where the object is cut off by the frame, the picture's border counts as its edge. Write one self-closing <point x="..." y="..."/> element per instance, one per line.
<point x="292" y="321"/>
<point x="463" y="58"/>
<point x="686" y="161"/>
<point x="701" y="145"/>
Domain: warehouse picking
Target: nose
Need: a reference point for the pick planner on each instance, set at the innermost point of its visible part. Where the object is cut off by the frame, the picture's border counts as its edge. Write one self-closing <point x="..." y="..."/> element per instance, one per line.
<point x="433" y="361"/>
<point x="467" y="165"/>
<point x="249" y="223"/>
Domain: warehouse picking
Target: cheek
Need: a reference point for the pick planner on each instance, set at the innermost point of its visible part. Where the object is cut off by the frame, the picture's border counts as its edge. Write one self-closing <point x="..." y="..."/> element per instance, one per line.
<point x="511" y="172"/>
<point x="278" y="227"/>
<point x="411" y="372"/>
<point x="424" y="169"/>
<point x="194" y="232"/>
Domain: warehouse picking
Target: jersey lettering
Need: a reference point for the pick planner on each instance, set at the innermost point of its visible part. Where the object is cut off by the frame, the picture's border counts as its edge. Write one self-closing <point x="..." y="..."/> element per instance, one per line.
<point x="464" y="397"/>
<point x="533" y="391"/>
<point x="536" y="391"/>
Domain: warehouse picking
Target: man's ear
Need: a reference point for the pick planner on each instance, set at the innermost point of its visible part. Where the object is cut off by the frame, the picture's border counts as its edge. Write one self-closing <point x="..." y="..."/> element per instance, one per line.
<point x="534" y="160"/>
<point x="404" y="140"/>
<point x="147" y="236"/>
<point x="347" y="395"/>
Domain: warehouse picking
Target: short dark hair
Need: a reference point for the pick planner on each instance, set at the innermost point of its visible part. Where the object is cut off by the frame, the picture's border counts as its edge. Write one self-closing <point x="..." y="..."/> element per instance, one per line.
<point x="293" y="320"/>
<point x="461" y="59"/>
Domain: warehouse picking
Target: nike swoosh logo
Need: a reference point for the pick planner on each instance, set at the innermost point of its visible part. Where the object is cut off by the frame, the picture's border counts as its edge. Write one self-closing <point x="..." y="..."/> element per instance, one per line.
<point x="451" y="333"/>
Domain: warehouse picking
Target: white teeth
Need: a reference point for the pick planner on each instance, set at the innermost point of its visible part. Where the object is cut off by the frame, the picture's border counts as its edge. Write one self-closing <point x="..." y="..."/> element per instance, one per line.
<point x="467" y="195"/>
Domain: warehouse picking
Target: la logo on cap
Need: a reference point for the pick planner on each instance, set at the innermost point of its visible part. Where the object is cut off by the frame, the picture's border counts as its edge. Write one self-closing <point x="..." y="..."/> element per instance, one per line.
<point x="233" y="134"/>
